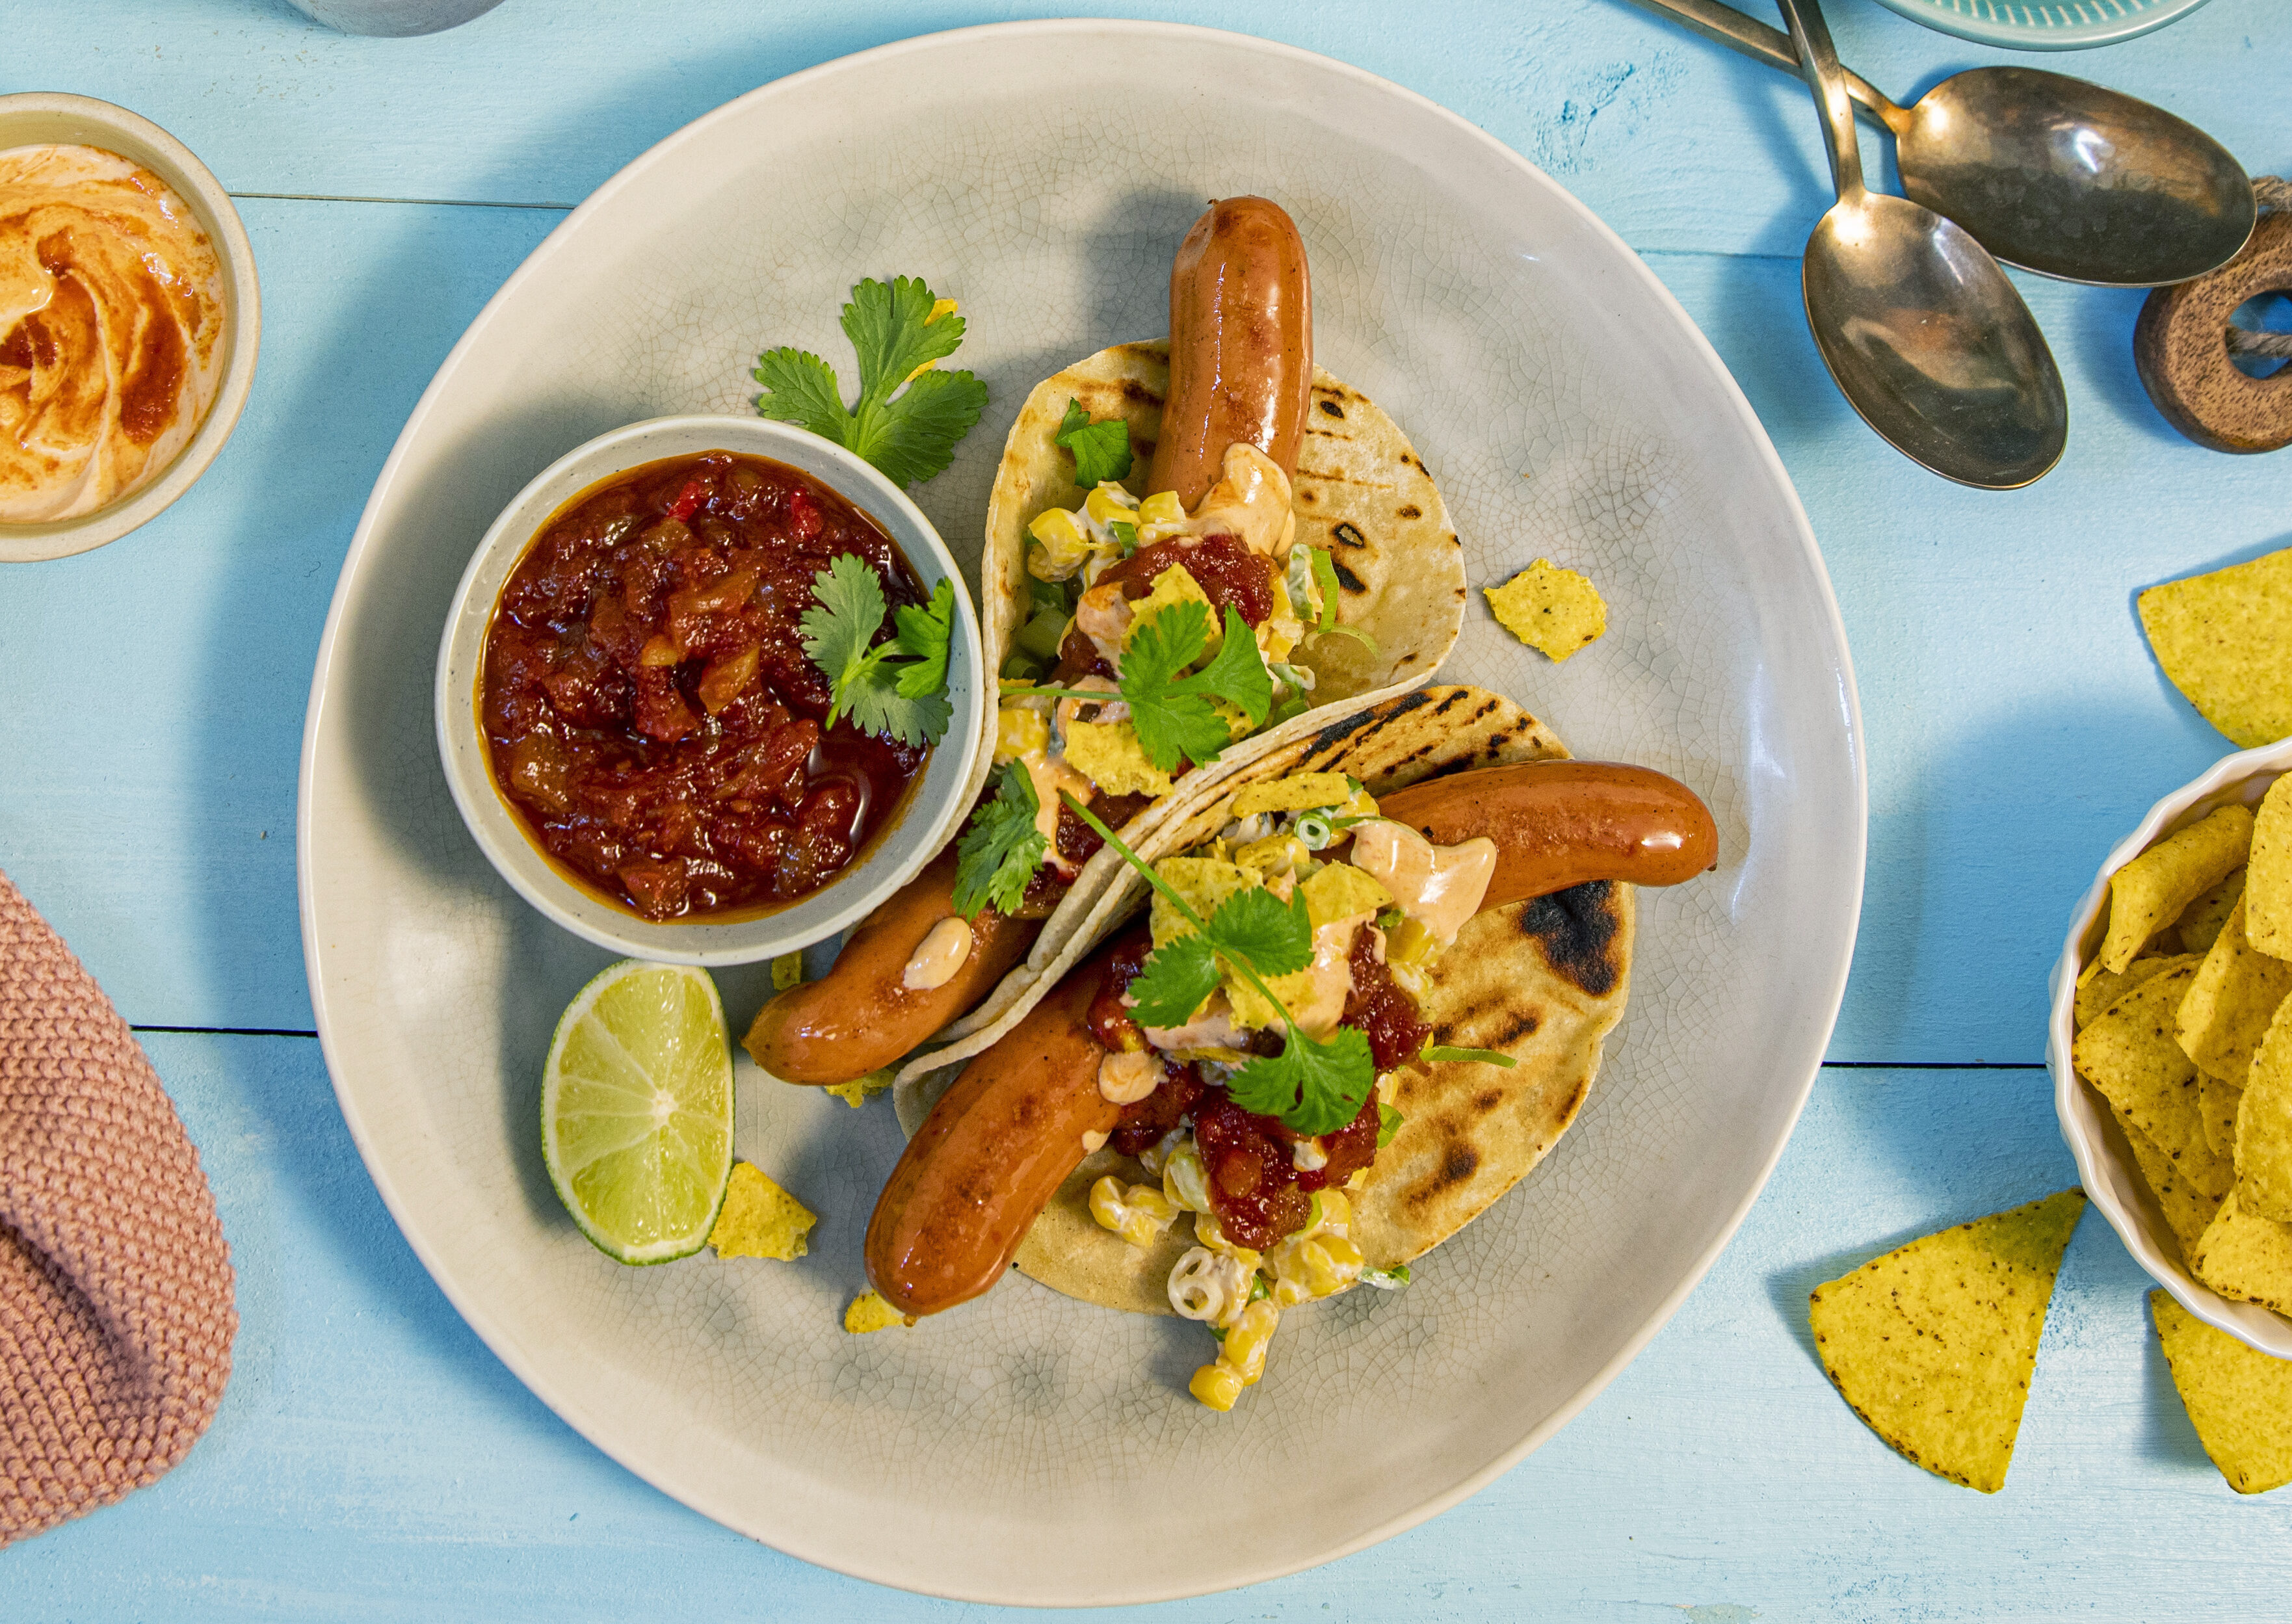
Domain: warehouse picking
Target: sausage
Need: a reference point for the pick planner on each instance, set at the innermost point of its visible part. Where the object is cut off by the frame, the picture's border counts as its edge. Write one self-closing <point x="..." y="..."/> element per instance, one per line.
<point x="1241" y="346"/>
<point x="861" y="1016"/>
<point x="992" y="1152"/>
<point x="1559" y="823"/>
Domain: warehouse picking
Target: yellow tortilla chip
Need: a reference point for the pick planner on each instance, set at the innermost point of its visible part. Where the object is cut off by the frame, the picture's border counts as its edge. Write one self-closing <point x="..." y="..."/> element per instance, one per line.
<point x="759" y="1219"/>
<point x="1110" y="755"/>
<point x="1933" y="1344"/>
<point x="1299" y="792"/>
<point x="2237" y="1398"/>
<point x="2130" y="1056"/>
<point x="2268" y="903"/>
<point x="870" y="1312"/>
<point x="2226" y="641"/>
<point x="2200" y="923"/>
<point x="1340" y="891"/>
<point x="1204" y="882"/>
<point x="2097" y="987"/>
<point x="2263" y="1126"/>
<point x="2156" y="887"/>
<point x="2231" y="1002"/>
<point x="2216" y="1103"/>
<point x="860" y="1090"/>
<point x="2187" y="1209"/>
<point x="1554" y="611"/>
<point x="2245" y="1256"/>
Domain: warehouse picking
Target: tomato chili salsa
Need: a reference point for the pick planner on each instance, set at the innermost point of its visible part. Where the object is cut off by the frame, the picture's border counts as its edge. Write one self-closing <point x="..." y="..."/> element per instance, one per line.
<point x="648" y="708"/>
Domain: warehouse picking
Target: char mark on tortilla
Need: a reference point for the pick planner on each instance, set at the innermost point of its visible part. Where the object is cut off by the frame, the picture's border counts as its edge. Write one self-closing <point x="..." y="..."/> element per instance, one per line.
<point x="1577" y="930"/>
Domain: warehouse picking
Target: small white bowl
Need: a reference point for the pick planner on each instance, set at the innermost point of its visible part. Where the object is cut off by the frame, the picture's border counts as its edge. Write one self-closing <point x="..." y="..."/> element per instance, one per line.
<point x="2103" y="1159"/>
<point x="935" y="806"/>
<point x="43" y="116"/>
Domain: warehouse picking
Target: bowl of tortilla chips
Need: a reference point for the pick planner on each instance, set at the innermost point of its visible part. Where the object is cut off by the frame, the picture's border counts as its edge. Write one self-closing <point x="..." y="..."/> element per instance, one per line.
<point x="2170" y="1043"/>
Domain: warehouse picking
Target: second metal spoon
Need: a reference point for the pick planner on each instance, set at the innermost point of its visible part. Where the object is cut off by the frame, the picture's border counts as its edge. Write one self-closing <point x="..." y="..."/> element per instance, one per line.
<point x="1925" y="335"/>
<point x="2052" y="173"/>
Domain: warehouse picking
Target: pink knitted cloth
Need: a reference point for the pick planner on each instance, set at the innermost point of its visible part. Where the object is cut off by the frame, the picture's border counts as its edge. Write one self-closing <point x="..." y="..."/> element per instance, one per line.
<point x="115" y="1317"/>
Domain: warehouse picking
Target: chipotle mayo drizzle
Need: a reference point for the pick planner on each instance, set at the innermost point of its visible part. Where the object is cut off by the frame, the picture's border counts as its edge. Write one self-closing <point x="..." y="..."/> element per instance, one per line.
<point x="111" y="321"/>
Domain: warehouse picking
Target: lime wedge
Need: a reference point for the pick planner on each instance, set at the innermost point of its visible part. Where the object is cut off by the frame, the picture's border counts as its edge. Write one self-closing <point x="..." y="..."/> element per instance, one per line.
<point x="636" y="1110"/>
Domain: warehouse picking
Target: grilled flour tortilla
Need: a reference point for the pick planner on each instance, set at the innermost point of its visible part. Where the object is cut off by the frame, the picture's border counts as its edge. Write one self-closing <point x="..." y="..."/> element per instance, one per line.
<point x="1543" y="980"/>
<point x="1361" y="495"/>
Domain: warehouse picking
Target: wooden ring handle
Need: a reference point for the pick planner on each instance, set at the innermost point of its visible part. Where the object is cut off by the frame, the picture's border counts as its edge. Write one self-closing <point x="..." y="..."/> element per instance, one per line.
<point x="2181" y="346"/>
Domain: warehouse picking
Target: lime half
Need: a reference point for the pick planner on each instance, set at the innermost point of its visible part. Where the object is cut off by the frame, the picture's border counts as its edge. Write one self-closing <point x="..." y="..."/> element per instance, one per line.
<point x="636" y="1110"/>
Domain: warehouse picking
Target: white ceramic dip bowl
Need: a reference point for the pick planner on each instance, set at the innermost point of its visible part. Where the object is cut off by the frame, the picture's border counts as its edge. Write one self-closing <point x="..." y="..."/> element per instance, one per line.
<point x="935" y="805"/>
<point x="2104" y="1160"/>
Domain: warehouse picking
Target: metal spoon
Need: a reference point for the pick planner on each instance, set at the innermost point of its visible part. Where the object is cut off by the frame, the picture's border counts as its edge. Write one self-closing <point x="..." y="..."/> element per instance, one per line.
<point x="1925" y="335"/>
<point x="2050" y="173"/>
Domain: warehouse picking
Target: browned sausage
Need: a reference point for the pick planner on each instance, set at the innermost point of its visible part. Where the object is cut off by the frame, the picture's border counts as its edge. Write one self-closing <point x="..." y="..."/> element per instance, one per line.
<point x="1241" y="345"/>
<point x="860" y="1015"/>
<point x="1559" y="823"/>
<point x="993" y="1151"/>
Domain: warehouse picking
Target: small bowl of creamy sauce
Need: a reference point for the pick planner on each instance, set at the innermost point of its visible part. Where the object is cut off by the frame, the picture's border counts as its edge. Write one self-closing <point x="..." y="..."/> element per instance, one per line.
<point x="112" y="330"/>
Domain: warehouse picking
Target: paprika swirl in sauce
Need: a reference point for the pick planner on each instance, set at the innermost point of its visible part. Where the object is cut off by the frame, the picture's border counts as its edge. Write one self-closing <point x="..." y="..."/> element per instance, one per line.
<point x="648" y="705"/>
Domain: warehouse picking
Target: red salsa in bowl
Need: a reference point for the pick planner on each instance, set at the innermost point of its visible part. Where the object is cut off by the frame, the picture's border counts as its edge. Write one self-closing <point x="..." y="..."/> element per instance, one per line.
<point x="650" y="712"/>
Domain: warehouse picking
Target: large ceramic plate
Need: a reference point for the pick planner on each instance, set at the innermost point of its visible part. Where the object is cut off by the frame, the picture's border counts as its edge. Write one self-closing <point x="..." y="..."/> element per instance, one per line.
<point x="1027" y="1448"/>
<point x="2044" y="25"/>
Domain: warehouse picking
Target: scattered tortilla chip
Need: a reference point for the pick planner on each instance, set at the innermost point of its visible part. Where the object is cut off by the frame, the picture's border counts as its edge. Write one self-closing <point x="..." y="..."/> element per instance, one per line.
<point x="1204" y="882"/>
<point x="1340" y="891"/>
<point x="1299" y="792"/>
<point x="759" y="1219"/>
<point x="2200" y="923"/>
<point x="870" y="1312"/>
<point x="1110" y="757"/>
<point x="2268" y="904"/>
<point x="2241" y="1255"/>
<point x="2187" y="1209"/>
<point x="2231" y="1002"/>
<point x="2217" y="1103"/>
<point x="2129" y="1054"/>
<point x="2237" y="1398"/>
<point x="1933" y="1344"/>
<point x="2097" y="987"/>
<point x="860" y="1090"/>
<point x="2226" y="641"/>
<point x="2263" y="1126"/>
<point x="1554" y="611"/>
<point x="787" y="971"/>
<point x="2156" y="887"/>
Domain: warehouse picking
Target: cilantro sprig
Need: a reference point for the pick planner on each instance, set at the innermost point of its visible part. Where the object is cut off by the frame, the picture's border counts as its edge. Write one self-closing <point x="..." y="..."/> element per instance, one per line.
<point x="1101" y="450"/>
<point x="894" y="688"/>
<point x="1001" y="849"/>
<point x="1172" y="713"/>
<point x="1314" y="1086"/>
<point x="899" y="330"/>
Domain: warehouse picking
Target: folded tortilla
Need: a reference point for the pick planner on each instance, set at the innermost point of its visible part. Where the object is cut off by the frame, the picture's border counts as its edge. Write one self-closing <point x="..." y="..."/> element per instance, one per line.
<point x="1362" y="494"/>
<point x="1544" y="980"/>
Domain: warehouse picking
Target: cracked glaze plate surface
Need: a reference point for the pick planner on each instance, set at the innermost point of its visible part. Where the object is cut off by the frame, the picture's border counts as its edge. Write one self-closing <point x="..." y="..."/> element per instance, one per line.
<point x="1027" y="1448"/>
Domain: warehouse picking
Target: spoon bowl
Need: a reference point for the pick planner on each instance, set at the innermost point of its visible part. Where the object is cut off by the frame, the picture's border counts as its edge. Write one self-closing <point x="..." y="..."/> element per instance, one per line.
<point x="1931" y="344"/>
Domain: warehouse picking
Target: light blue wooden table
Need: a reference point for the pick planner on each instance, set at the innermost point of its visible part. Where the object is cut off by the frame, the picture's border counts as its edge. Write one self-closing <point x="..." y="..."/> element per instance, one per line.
<point x="373" y="1461"/>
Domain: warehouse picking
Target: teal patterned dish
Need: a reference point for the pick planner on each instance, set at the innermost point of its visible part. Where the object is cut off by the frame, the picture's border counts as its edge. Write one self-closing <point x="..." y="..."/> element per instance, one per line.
<point x="2044" y="25"/>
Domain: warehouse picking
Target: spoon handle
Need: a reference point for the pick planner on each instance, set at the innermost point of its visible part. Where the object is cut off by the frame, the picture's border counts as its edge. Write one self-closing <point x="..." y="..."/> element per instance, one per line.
<point x="1755" y="39"/>
<point x="1818" y="61"/>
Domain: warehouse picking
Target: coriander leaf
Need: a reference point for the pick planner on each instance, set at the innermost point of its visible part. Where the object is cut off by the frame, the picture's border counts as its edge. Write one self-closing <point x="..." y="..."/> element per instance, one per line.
<point x="1172" y="724"/>
<point x="1178" y="976"/>
<point x="890" y="325"/>
<point x="1441" y="1054"/>
<point x="1388" y="1124"/>
<point x="1254" y="924"/>
<point x="848" y="608"/>
<point x="1101" y="450"/>
<point x="1001" y="849"/>
<point x="1238" y="673"/>
<point x="913" y="437"/>
<point x="876" y="704"/>
<point x="924" y="631"/>
<point x="801" y="388"/>
<point x="1313" y="1087"/>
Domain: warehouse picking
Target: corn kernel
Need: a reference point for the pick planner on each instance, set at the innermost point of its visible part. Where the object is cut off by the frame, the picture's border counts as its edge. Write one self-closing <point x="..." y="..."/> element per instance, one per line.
<point x="1216" y="1386"/>
<point x="1110" y="504"/>
<point x="1106" y="1203"/>
<point x="1332" y="1212"/>
<point x="1160" y="516"/>
<point x="1184" y="1181"/>
<point x="1060" y="547"/>
<point x="1245" y="1344"/>
<point x="1331" y="1263"/>
<point x="1409" y="944"/>
<point x="1019" y="731"/>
